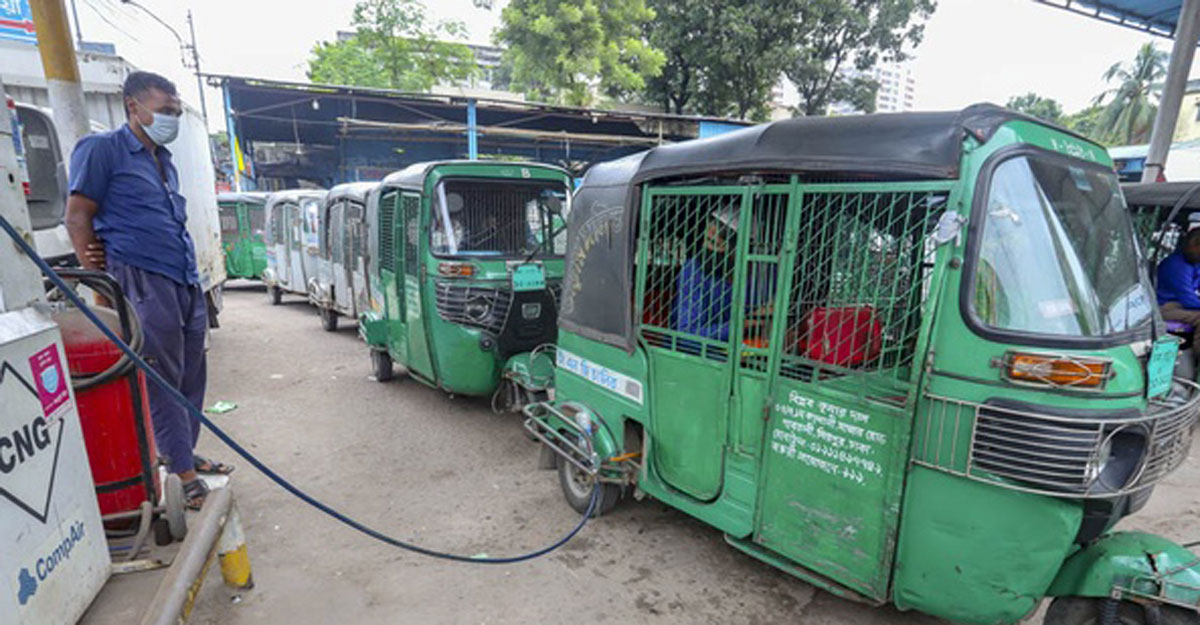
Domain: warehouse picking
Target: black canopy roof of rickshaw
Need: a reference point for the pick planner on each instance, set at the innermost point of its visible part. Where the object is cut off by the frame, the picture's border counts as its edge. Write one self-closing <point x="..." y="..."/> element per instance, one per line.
<point x="413" y="176"/>
<point x="600" y="230"/>
<point x="247" y="197"/>
<point x="1148" y="195"/>
<point x="350" y="190"/>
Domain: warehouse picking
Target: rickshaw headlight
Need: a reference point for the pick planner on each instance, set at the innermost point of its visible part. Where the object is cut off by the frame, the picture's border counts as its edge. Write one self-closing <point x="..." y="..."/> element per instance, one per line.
<point x="1118" y="459"/>
<point x="477" y="308"/>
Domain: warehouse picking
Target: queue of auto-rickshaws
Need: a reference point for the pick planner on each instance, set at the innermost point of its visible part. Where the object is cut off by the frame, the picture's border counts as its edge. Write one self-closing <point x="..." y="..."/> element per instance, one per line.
<point x="911" y="358"/>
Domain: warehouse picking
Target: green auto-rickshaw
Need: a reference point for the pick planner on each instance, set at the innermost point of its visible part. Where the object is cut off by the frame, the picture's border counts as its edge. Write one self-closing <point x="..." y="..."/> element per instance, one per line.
<point x="465" y="269"/>
<point x="909" y="358"/>
<point x="244" y="233"/>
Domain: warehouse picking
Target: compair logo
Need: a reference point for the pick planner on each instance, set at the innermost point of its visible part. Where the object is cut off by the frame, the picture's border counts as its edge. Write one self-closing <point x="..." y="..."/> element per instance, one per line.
<point x="29" y="444"/>
<point x="29" y="580"/>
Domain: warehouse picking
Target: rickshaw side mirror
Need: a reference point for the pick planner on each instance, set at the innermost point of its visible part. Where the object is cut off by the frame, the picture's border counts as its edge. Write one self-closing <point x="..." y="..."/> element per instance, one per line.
<point x="554" y="205"/>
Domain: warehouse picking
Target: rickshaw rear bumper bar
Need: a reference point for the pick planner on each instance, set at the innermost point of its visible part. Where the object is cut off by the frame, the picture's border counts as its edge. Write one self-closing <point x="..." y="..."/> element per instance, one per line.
<point x="1071" y="455"/>
<point x="540" y="421"/>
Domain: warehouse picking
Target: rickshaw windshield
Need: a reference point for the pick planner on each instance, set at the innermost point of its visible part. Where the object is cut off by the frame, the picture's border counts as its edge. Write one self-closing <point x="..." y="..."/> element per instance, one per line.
<point x="500" y="218"/>
<point x="1057" y="254"/>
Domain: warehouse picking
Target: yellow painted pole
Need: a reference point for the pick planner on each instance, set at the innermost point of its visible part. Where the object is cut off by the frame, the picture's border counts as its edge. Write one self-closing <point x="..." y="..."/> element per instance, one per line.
<point x="62" y="71"/>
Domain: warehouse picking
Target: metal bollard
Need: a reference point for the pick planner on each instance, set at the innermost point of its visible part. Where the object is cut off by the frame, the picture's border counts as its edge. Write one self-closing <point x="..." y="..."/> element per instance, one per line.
<point x="235" y="559"/>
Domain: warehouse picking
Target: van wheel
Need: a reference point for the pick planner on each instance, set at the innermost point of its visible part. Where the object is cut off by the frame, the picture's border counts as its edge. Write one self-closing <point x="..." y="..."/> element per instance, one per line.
<point x="275" y="294"/>
<point x="577" y="489"/>
<point x="381" y="365"/>
<point x="329" y="319"/>
<point x="1089" y="611"/>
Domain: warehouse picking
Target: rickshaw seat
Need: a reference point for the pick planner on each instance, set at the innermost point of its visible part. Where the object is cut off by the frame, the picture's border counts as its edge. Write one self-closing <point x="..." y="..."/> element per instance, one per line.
<point x="843" y="336"/>
<point x="1179" y="327"/>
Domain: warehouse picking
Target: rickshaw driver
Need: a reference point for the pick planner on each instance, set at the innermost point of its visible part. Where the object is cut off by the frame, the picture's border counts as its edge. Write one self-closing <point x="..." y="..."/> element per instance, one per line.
<point x="1179" y="280"/>
<point x="704" y="289"/>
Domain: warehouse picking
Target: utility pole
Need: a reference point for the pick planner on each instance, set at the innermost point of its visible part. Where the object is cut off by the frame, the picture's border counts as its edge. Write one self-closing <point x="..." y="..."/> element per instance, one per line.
<point x="62" y="71"/>
<point x="196" y="66"/>
<point x="1187" y="32"/>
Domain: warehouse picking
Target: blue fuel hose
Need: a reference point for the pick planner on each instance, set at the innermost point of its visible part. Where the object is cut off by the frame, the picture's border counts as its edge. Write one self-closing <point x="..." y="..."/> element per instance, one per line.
<point x="249" y="457"/>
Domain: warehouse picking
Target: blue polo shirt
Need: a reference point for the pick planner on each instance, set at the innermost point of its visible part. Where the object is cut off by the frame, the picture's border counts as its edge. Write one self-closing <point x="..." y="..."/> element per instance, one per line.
<point x="1178" y="281"/>
<point x="142" y="219"/>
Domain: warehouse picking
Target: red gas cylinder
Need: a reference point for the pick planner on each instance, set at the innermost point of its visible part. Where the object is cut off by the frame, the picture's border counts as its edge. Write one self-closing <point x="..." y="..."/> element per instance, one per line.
<point x="120" y="452"/>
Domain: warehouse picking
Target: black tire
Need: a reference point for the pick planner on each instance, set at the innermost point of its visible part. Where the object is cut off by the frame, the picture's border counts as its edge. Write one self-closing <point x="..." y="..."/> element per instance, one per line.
<point x="577" y="490"/>
<point x="162" y="532"/>
<point x="329" y="319"/>
<point x="275" y="294"/>
<point x="1088" y="610"/>
<point x="381" y="365"/>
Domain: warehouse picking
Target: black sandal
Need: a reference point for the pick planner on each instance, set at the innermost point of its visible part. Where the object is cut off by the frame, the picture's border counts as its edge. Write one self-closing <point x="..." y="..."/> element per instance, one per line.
<point x="195" y="492"/>
<point x="210" y="467"/>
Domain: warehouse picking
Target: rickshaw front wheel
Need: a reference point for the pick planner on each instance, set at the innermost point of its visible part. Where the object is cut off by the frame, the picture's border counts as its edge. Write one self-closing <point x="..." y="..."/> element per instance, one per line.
<point x="577" y="489"/>
<point x="381" y="365"/>
<point x="1090" y="611"/>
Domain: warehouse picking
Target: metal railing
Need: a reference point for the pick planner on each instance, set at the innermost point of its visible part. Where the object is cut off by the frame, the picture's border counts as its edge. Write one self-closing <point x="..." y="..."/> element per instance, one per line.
<point x="1063" y="455"/>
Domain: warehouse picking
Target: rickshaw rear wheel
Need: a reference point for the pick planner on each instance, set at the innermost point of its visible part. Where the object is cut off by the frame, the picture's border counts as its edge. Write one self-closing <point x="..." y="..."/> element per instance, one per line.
<point x="329" y="319"/>
<point x="577" y="489"/>
<point x="275" y="294"/>
<point x="1088" y="611"/>
<point x="381" y="365"/>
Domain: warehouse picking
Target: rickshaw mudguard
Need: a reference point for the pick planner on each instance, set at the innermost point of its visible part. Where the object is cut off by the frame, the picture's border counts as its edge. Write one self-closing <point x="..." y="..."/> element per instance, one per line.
<point x="531" y="370"/>
<point x="1132" y="565"/>
<point x="372" y="327"/>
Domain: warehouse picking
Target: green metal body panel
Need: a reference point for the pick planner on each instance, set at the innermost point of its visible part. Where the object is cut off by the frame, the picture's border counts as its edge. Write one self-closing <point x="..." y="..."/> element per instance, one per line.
<point x="856" y="482"/>
<point x="245" y="254"/>
<point x="446" y="355"/>
<point x="533" y="371"/>
<point x="1133" y="565"/>
<point x="974" y="553"/>
<point x="372" y="327"/>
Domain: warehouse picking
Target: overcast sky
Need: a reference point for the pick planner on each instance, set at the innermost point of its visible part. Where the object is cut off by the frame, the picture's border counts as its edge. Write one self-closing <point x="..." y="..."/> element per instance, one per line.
<point x="974" y="50"/>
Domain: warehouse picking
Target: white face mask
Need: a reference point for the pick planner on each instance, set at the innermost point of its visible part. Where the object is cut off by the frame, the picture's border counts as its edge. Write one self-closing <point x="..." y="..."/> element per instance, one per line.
<point x="163" y="130"/>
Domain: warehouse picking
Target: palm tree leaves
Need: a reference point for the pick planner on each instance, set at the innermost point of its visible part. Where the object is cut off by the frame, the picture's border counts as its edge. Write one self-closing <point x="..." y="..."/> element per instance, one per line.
<point x="1128" y="117"/>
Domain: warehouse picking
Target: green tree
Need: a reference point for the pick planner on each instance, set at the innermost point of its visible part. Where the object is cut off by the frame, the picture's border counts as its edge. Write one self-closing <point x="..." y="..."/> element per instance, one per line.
<point x="1087" y="123"/>
<point x="1034" y="105"/>
<point x="396" y="45"/>
<point x="1128" y="117"/>
<point x="561" y="49"/>
<point x="840" y="35"/>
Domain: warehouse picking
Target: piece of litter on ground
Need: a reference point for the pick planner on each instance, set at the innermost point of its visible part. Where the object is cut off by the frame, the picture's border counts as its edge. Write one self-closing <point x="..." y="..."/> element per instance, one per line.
<point x="276" y="376"/>
<point x="236" y="599"/>
<point x="480" y="556"/>
<point x="221" y="407"/>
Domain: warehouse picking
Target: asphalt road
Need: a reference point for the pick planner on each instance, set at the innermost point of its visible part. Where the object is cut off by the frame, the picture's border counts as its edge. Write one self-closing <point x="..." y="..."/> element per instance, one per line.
<point x="448" y="474"/>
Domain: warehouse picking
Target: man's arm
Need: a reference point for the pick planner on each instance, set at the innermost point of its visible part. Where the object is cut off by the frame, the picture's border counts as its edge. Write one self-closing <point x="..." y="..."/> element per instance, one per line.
<point x="88" y="248"/>
<point x="1176" y="280"/>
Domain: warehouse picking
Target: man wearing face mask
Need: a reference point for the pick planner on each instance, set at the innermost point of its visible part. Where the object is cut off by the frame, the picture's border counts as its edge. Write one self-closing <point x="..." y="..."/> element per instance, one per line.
<point x="125" y="215"/>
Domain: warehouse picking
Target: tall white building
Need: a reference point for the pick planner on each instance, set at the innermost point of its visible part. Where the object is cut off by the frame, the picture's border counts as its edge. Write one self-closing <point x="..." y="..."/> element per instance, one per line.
<point x="897" y="89"/>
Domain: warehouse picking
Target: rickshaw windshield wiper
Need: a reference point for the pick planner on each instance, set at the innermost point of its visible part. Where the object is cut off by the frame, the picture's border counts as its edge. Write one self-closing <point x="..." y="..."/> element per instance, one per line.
<point x="542" y="244"/>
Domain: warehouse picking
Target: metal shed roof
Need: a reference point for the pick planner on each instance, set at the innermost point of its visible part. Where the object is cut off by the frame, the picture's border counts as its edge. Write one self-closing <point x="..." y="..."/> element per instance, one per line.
<point x="1158" y="17"/>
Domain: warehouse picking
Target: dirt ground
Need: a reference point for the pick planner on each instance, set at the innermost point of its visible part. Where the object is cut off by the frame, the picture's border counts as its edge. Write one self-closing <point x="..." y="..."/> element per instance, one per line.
<point x="450" y="475"/>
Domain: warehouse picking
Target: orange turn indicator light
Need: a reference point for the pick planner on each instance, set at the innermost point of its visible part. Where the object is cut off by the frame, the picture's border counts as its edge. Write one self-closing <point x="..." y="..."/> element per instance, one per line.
<point x="456" y="270"/>
<point x="1057" y="370"/>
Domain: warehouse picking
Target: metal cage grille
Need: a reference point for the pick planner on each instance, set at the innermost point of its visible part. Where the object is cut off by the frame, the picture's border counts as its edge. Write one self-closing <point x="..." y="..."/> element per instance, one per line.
<point x="859" y="283"/>
<point x="690" y="263"/>
<point x="387" y="232"/>
<point x="475" y="306"/>
<point x="410" y="205"/>
<point x="1147" y="224"/>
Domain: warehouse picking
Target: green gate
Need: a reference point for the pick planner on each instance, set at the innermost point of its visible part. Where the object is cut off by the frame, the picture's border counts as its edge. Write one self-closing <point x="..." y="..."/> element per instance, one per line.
<point x="842" y="395"/>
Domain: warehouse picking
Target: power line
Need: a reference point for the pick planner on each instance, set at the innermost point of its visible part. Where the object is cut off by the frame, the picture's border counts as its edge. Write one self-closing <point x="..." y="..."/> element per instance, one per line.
<point x="91" y="5"/>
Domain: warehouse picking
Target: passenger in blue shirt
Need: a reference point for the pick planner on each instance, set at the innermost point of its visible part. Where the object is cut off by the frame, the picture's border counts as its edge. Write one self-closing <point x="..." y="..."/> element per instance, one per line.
<point x="125" y="215"/>
<point x="1178" y="281"/>
<point x="704" y="287"/>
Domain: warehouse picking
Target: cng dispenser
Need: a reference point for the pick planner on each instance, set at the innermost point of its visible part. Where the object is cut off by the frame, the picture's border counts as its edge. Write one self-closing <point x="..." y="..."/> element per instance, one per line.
<point x="53" y="553"/>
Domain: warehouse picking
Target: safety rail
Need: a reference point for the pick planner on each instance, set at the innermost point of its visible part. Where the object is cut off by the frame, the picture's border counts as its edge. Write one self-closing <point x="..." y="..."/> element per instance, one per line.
<point x="1074" y="455"/>
<point x="583" y="459"/>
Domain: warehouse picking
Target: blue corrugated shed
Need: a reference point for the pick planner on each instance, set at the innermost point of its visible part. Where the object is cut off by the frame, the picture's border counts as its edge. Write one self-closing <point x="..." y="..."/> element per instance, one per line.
<point x="1157" y="17"/>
